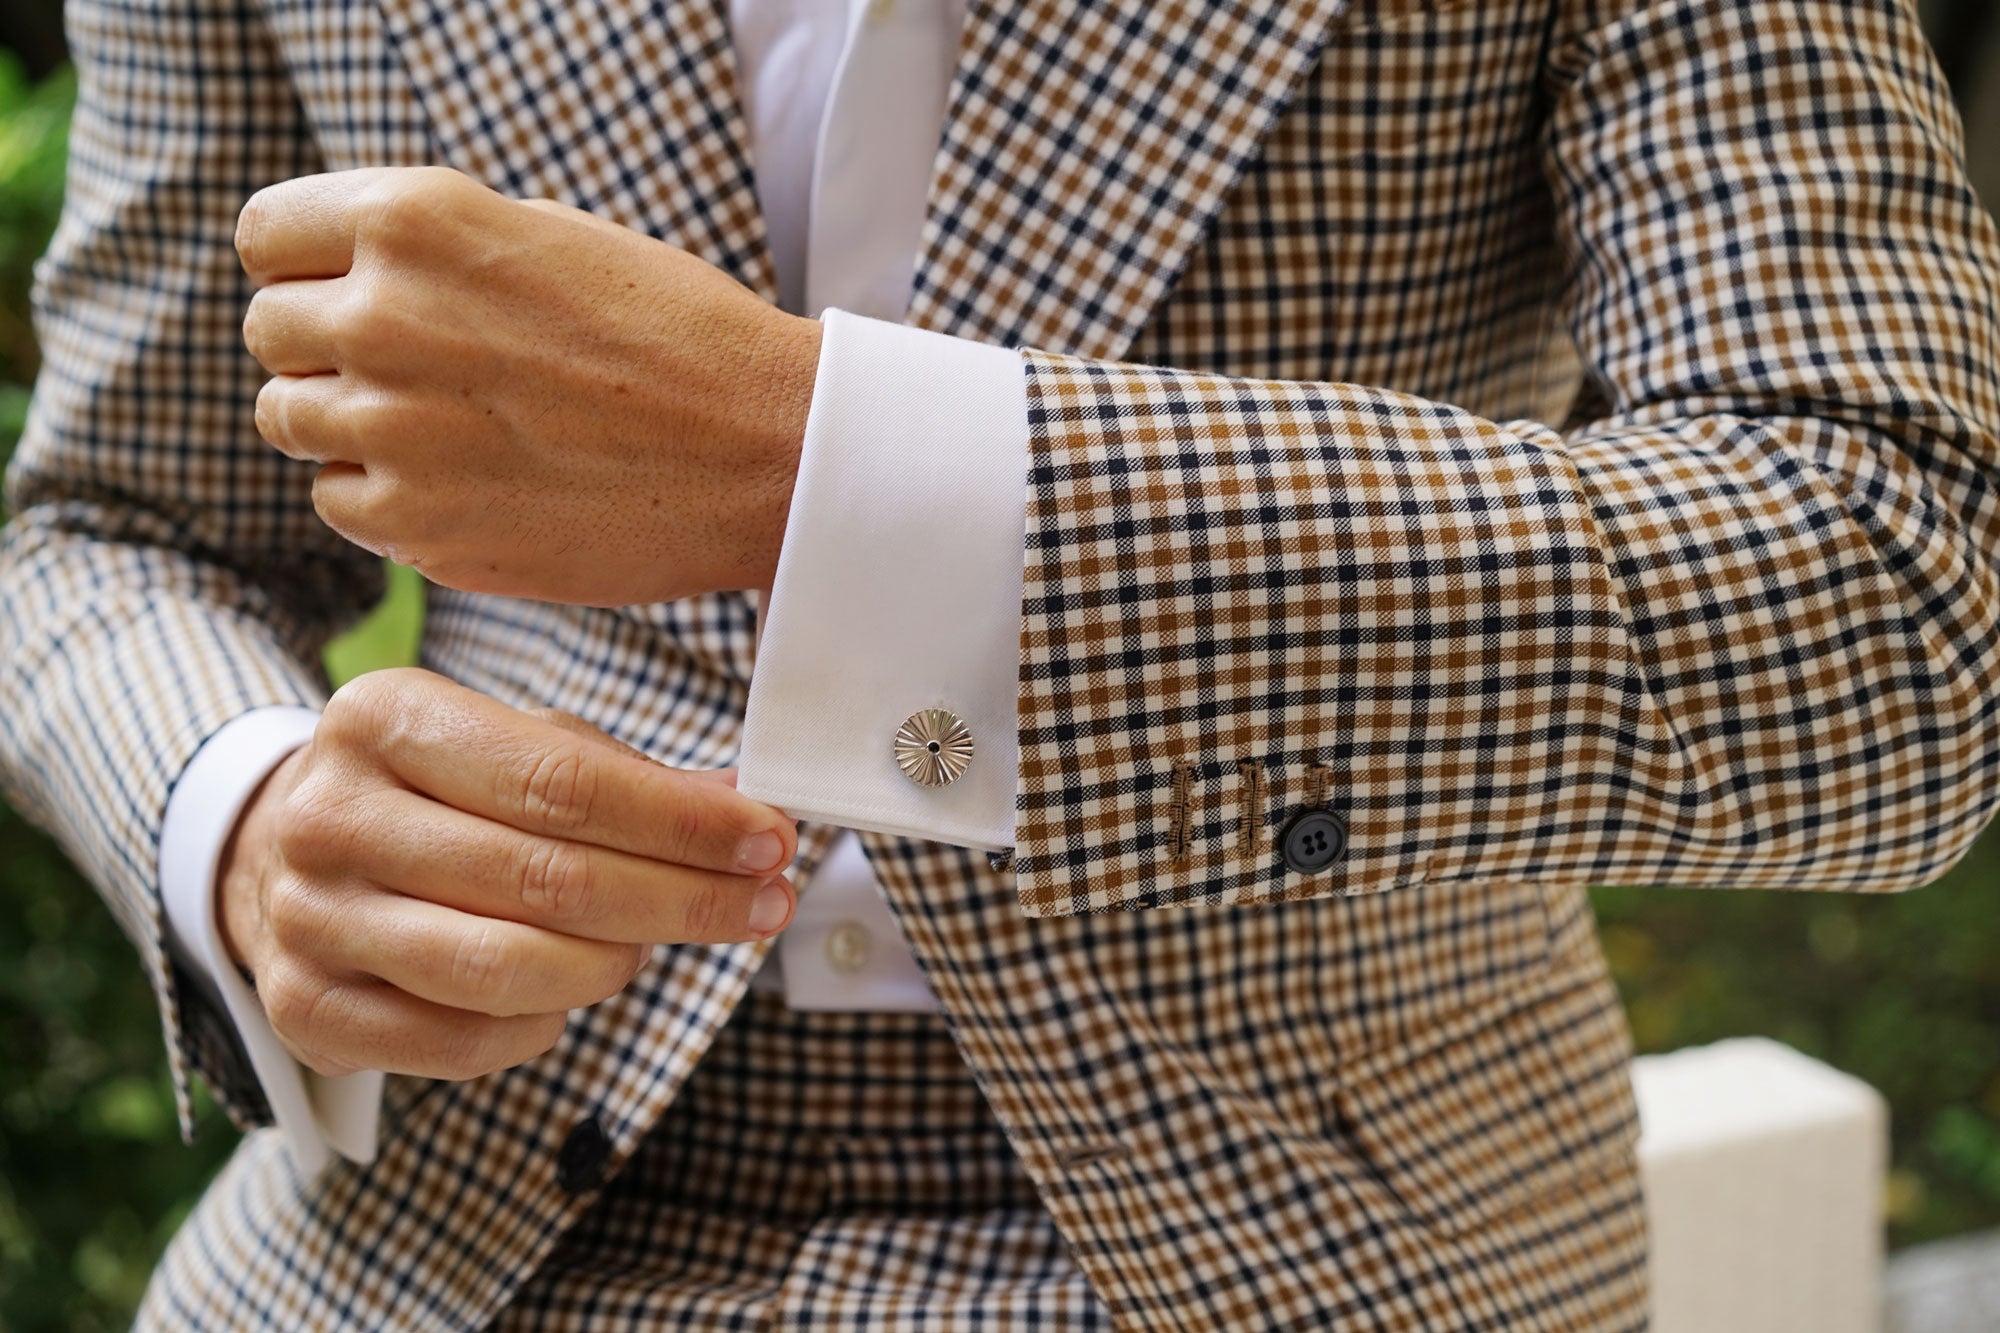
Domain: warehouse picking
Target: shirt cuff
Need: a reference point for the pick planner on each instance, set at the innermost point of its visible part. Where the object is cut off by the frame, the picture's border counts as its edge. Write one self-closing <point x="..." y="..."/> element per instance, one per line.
<point x="898" y="587"/>
<point x="318" y="1115"/>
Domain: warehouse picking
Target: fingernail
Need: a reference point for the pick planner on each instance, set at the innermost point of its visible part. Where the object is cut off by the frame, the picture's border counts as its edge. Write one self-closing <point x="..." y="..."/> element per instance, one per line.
<point x="760" y="851"/>
<point x="770" y="907"/>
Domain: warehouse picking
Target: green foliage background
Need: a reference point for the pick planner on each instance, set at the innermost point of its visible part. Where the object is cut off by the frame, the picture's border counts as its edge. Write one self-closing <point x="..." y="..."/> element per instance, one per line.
<point x="1903" y="991"/>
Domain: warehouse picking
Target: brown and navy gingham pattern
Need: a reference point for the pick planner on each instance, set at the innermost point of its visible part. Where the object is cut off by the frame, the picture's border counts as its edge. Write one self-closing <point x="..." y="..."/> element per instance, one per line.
<point x="1730" y="624"/>
<point x="818" y="1172"/>
<point x="1734" y="628"/>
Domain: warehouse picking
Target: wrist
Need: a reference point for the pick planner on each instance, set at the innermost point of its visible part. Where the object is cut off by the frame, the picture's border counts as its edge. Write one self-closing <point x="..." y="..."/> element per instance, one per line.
<point x="777" y="405"/>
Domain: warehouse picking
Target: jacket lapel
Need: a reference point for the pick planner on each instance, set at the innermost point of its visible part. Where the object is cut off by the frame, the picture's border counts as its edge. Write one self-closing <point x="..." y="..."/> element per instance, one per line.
<point x="1087" y="147"/>
<point x="627" y="108"/>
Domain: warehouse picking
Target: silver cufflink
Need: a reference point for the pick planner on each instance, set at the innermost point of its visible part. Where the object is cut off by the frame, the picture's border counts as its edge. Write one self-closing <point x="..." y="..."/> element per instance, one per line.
<point x="933" y="747"/>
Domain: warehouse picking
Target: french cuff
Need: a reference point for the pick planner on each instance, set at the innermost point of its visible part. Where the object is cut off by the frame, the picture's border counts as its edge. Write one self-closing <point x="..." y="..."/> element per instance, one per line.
<point x="318" y="1115"/>
<point x="898" y="593"/>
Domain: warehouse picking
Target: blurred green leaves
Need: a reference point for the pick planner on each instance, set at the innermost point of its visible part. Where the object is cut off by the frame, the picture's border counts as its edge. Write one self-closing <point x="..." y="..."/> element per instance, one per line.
<point x="34" y="138"/>
<point x="93" y="1176"/>
<point x="388" y="637"/>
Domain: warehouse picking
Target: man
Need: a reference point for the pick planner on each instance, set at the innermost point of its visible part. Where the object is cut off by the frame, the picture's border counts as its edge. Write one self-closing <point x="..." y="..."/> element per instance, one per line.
<point x="1296" y="692"/>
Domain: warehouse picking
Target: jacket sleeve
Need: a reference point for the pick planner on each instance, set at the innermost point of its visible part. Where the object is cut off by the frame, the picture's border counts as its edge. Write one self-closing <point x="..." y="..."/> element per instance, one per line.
<point x="1736" y="630"/>
<point x="164" y="571"/>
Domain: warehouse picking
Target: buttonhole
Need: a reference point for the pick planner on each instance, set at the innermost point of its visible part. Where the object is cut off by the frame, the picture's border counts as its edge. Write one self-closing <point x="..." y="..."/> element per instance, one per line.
<point x="1080" y="1155"/>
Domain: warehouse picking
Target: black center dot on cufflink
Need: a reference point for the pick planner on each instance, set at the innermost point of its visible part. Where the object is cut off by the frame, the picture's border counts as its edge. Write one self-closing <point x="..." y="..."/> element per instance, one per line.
<point x="933" y="747"/>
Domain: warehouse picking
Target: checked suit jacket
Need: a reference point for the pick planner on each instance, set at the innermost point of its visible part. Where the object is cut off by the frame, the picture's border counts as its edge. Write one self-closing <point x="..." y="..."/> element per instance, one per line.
<point x="1558" y="436"/>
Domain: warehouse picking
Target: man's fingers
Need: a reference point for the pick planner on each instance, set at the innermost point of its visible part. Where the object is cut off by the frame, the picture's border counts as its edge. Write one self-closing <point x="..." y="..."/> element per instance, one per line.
<point x="304" y="228"/>
<point x="337" y="1027"/>
<point x="477" y="963"/>
<point x="570" y="722"/>
<point x="476" y="754"/>
<point x="348" y="498"/>
<point x="309" y="417"/>
<point x="314" y="226"/>
<point x="576" y="726"/>
<point x="420" y="847"/>
<point x="289" y="328"/>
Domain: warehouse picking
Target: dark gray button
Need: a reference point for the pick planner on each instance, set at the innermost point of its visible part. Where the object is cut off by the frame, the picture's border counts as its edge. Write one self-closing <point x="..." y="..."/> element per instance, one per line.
<point x="1313" y="840"/>
<point x="581" y="1161"/>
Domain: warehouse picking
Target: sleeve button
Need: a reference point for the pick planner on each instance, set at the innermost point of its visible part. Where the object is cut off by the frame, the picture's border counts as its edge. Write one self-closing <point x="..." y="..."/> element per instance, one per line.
<point x="1312" y="841"/>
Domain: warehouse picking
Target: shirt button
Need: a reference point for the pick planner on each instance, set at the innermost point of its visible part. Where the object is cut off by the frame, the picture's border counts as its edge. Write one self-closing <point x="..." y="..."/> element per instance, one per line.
<point x="847" y="946"/>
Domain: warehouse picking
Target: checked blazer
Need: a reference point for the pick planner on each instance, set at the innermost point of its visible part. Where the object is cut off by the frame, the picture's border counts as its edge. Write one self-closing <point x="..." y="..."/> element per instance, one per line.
<point x="1559" y="436"/>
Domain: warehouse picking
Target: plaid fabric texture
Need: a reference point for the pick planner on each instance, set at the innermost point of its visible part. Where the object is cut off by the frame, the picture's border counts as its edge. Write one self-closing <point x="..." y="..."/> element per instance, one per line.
<point x="818" y="1172"/>
<point x="1734" y="627"/>
<point x="1724" y="616"/>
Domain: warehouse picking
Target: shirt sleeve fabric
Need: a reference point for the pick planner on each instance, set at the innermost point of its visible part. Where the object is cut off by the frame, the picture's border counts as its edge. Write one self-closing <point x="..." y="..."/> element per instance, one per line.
<point x="898" y="587"/>
<point x="318" y="1115"/>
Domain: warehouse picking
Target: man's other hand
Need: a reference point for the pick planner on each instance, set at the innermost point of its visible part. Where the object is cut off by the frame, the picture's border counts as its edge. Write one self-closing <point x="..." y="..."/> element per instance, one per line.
<point x="432" y="883"/>
<point x="521" y="398"/>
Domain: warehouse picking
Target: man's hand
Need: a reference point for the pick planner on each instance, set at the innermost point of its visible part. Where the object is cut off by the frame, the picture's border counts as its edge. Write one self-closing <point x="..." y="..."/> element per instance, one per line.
<point x="433" y="882"/>
<point x="521" y="398"/>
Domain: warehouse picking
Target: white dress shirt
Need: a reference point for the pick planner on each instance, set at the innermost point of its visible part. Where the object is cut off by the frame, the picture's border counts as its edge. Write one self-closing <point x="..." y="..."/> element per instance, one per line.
<point x="898" y="587"/>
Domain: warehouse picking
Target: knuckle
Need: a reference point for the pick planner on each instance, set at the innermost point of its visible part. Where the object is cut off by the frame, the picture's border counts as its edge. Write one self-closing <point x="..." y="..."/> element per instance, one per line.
<point x="483" y="968"/>
<point x="388" y="208"/>
<point x="556" y="881"/>
<point x="688" y="826"/>
<point x="378" y="710"/>
<point x="250" y="230"/>
<point x="303" y="1008"/>
<point x="705" y="913"/>
<point x="409" y="205"/>
<point x="474" y="1050"/>
<point x="546" y="1031"/>
<point x="560" y="790"/>
<point x="309" y="814"/>
<point x="289" y="909"/>
<point x="349" y="506"/>
<point x="268" y="417"/>
<point x="361" y="702"/>
<point x="256" y="322"/>
<point x="465" y="1051"/>
<point x="362" y="321"/>
<point x="327" y="1065"/>
<point x="365" y="415"/>
<point x="622" y="963"/>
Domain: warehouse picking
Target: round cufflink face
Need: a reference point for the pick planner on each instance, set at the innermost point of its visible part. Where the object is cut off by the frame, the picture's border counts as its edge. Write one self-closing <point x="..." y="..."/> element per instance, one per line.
<point x="933" y="747"/>
<point x="1312" y="841"/>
